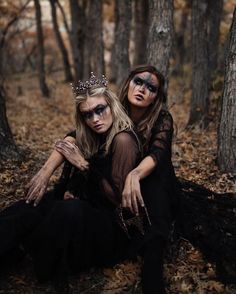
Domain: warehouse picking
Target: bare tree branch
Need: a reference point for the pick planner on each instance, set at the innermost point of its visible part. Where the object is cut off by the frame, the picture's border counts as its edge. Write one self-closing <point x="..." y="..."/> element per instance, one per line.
<point x="10" y="23"/>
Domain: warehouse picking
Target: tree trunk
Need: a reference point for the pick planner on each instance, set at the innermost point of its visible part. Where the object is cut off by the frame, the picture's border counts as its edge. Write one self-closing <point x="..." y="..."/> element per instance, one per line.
<point x="63" y="16"/>
<point x="160" y="36"/>
<point x="8" y="148"/>
<point x="140" y="31"/>
<point x="214" y="17"/>
<point x="88" y="48"/>
<point x="77" y="36"/>
<point x="121" y="42"/>
<point x="207" y="220"/>
<point x="94" y="58"/>
<point x="200" y="92"/>
<point x="113" y="63"/>
<point x="181" y="50"/>
<point x="41" y="67"/>
<point x="61" y="45"/>
<point x="95" y="33"/>
<point x="227" y="128"/>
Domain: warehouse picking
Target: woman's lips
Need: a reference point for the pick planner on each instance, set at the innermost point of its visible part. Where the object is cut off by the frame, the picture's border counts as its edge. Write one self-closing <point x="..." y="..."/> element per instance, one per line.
<point x="97" y="127"/>
<point x="139" y="97"/>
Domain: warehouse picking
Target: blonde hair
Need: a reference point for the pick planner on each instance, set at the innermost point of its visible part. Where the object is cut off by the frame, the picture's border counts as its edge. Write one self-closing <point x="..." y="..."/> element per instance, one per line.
<point x="86" y="139"/>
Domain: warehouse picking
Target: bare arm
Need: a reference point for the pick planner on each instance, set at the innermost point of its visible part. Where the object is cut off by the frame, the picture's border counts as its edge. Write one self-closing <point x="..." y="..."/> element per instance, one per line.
<point x="39" y="182"/>
<point x="145" y="168"/>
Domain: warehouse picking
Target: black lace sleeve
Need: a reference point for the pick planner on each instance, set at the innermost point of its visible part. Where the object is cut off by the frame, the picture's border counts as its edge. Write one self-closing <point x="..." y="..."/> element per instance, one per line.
<point x="125" y="155"/>
<point x="159" y="147"/>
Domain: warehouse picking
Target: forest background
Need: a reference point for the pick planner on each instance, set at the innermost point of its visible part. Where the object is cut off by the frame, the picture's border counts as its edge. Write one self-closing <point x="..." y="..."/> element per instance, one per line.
<point x="46" y="44"/>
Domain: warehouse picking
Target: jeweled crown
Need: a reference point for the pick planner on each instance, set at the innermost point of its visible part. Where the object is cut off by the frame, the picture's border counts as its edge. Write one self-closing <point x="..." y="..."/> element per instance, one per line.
<point x="80" y="86"/>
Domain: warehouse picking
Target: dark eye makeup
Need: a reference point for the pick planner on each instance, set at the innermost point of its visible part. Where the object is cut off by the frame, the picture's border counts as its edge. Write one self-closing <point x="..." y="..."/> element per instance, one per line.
<point x="98" y="110"/>
<point x="140" y="82"/>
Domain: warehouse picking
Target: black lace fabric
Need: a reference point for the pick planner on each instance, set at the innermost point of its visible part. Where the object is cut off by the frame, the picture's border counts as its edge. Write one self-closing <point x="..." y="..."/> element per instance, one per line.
<point x="159" y="146"/>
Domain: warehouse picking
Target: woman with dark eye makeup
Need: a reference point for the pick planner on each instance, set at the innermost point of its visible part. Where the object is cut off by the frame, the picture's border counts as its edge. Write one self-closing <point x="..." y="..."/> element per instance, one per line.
<point x="153" y="181"/>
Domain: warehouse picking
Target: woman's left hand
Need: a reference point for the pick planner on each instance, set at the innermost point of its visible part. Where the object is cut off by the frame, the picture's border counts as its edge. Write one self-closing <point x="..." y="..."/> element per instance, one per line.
<point x="131" y="196"/>
<point x="72" y="154"/>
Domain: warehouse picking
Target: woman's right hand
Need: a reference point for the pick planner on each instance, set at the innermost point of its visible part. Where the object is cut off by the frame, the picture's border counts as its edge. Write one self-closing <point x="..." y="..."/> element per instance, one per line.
<point x="131" y="196"/>
<point x="37" y="187"/>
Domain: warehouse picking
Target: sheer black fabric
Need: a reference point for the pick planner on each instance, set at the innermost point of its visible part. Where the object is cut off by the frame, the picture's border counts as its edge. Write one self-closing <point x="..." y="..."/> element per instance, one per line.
<point x="159" y="146"/>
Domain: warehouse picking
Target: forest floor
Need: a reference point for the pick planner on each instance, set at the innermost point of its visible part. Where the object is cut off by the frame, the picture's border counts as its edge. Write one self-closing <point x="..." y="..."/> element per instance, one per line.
<point x="38" y="122"/>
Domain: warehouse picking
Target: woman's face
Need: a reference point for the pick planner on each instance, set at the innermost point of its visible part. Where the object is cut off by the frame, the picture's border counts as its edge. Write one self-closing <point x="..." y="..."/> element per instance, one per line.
<point x="97" y="114"/>
<point x="143" y="89"/>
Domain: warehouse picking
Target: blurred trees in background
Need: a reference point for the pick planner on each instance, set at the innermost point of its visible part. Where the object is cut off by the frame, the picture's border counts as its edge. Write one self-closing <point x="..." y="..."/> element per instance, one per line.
<point x="61" y="45"/>
<point x="110" y="36"/>
<point x="40" y="45"/>
<point x="120" y="62"/>
<point x="160" y="36"/>
<point x="8" y="148"/>
<point x="77" y="35"/>
<point x="200" y="94"/>
<point x="94" y="48"/>
<point x="141" y="21"/>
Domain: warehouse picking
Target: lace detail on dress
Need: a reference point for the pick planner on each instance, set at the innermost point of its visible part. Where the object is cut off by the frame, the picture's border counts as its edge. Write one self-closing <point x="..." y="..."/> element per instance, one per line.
<point x="161" y="138"/>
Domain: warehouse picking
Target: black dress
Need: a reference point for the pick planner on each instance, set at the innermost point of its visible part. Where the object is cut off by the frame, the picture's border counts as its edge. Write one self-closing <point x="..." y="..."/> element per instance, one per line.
<point x="160" y="189"/>
<point x="83" y="232"/>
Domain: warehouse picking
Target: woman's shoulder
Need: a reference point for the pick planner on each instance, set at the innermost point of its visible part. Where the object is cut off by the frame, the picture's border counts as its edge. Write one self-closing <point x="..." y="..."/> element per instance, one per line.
<point x="127" y="139"/>
<point x="125" y="136"/>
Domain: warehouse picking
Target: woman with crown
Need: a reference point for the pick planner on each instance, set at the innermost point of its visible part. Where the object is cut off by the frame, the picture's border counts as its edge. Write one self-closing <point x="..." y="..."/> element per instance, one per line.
<point x="89" y="228"/>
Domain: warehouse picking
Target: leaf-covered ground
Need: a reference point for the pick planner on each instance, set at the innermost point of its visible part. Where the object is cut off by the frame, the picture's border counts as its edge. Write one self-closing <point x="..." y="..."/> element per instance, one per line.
<point x="38" y="122"/>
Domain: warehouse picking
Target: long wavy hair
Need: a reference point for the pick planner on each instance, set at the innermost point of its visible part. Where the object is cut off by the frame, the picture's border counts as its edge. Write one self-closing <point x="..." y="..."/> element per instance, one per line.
<point x="87" y="140"/>
<point x="152" y="112"/>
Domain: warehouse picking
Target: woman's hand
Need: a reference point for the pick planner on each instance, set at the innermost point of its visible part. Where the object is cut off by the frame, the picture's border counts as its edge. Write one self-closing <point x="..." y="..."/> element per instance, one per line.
<point x="68" y="195"/>
<point x="131" y="196"/>
<point x="37" y="187"/>
<point x="72" y="154"/>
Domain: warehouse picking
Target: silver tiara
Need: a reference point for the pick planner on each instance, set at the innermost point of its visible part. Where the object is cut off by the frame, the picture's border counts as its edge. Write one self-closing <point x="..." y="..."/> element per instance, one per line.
<point x="80" y="87"/>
